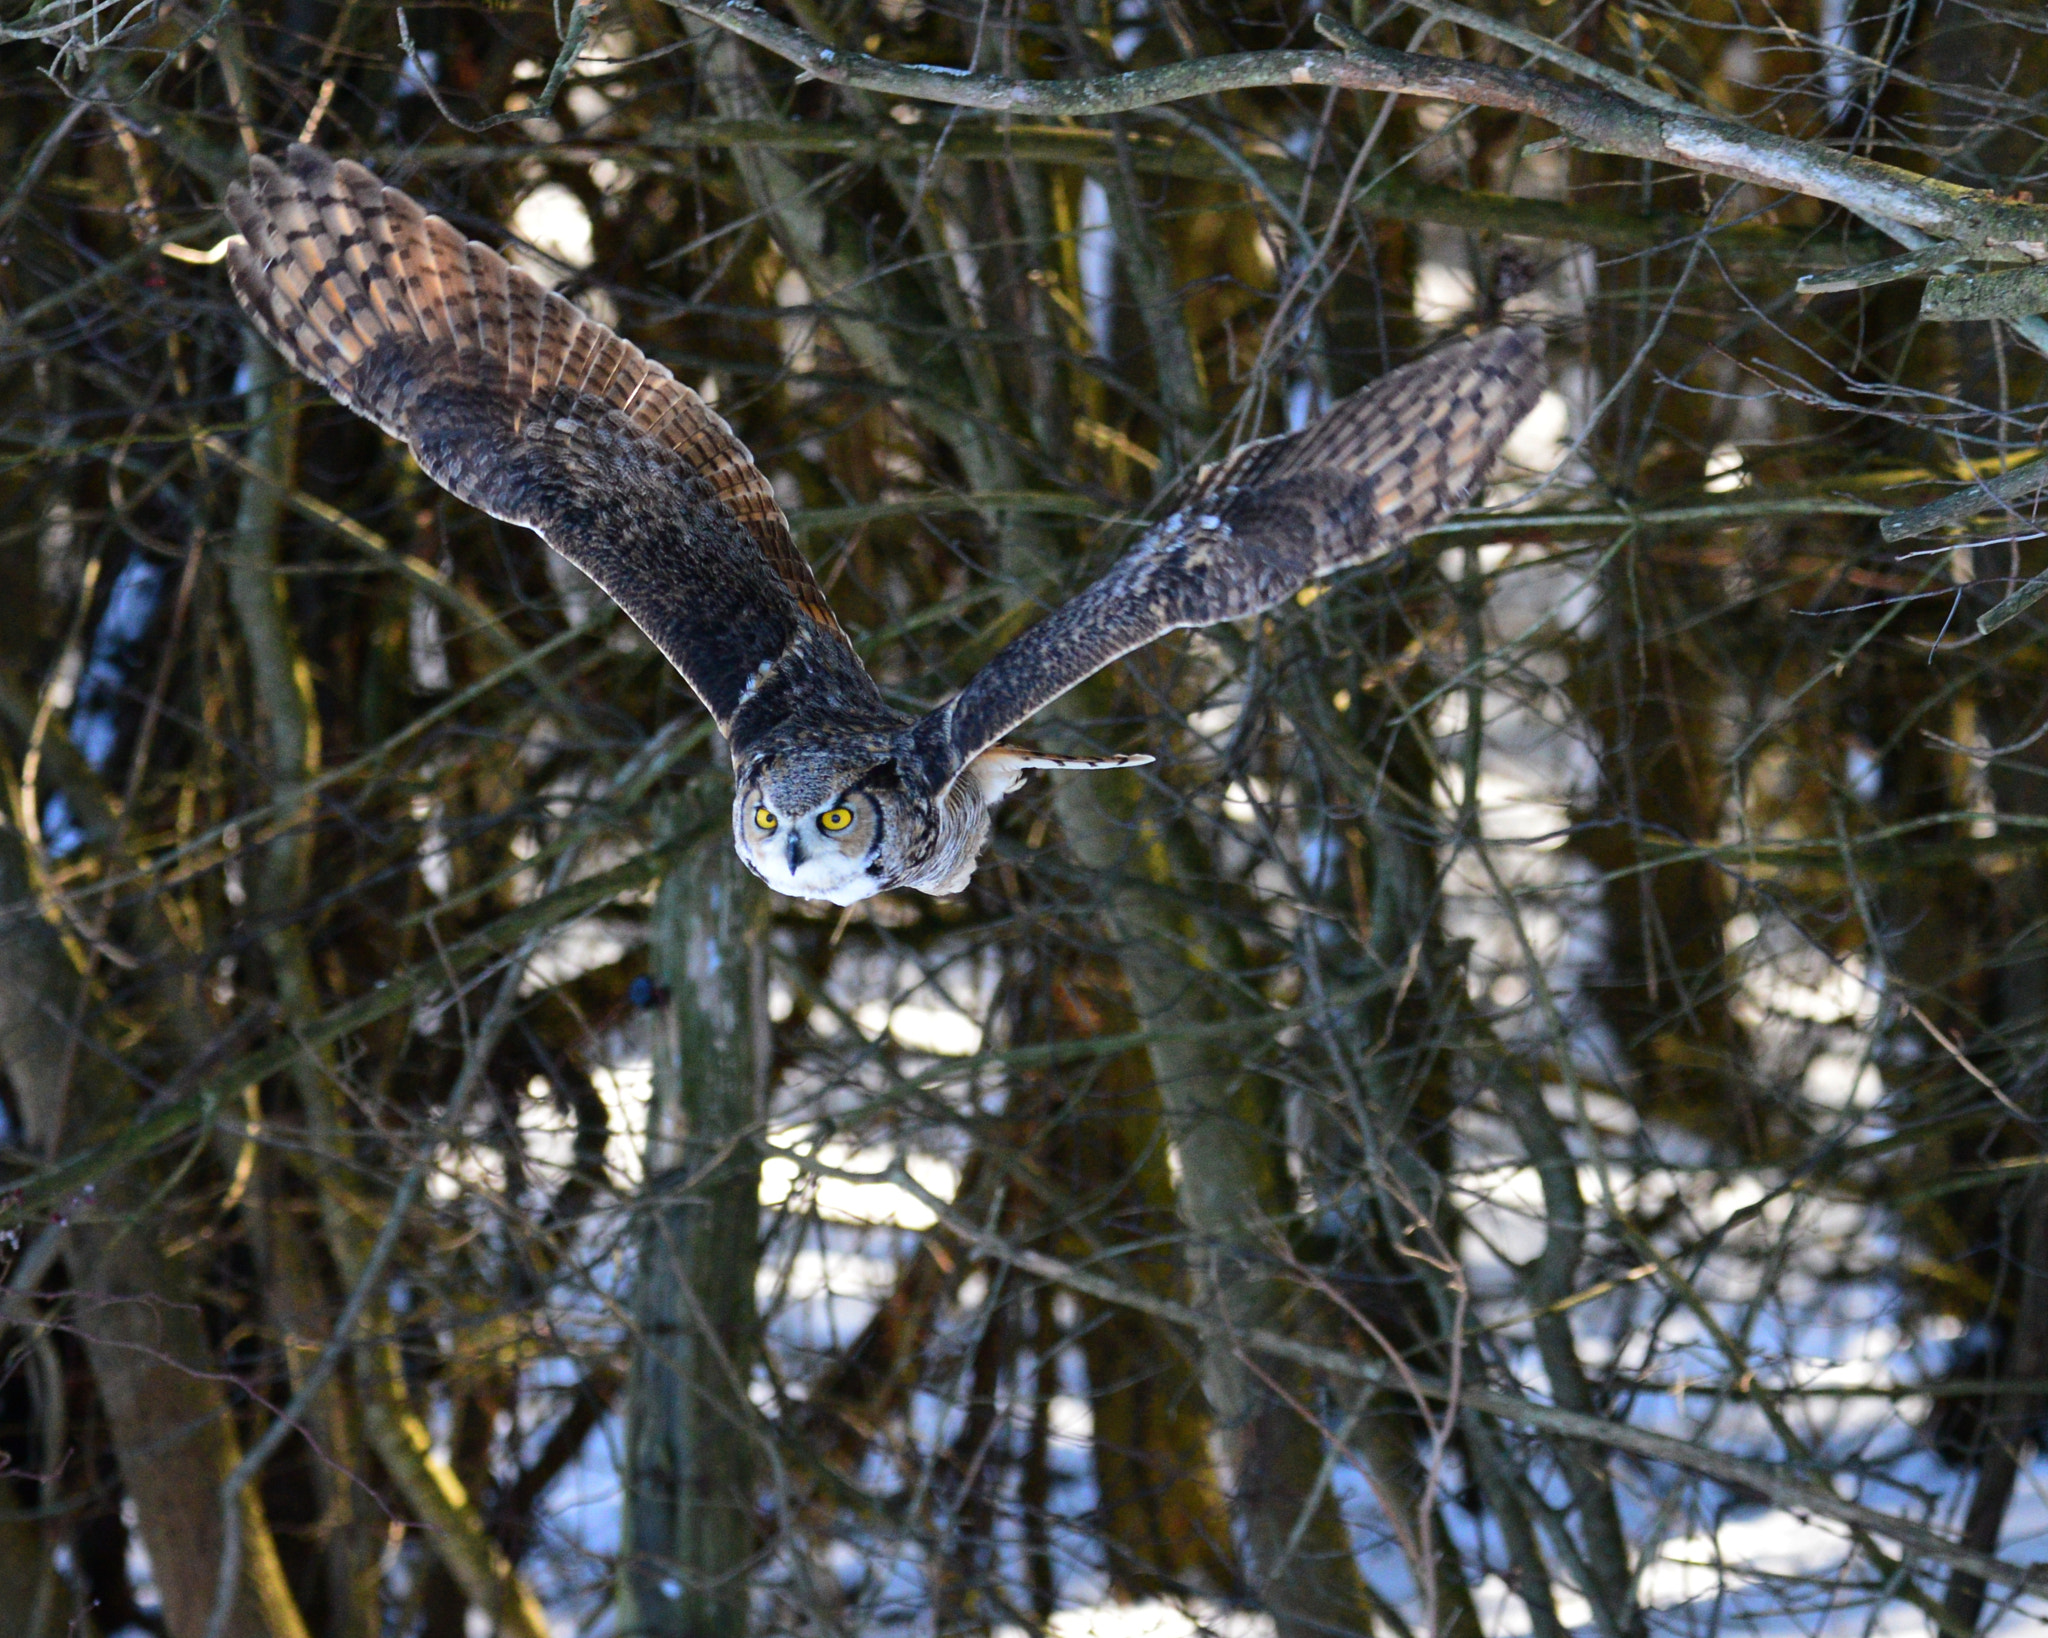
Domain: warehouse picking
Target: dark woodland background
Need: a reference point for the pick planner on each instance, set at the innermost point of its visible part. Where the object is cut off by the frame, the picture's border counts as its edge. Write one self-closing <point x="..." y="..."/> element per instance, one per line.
<point x="1595" y="964"/>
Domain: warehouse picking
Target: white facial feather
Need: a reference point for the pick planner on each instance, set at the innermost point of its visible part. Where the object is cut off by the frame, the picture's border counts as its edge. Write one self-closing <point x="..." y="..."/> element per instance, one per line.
<point x="804" y="856"/>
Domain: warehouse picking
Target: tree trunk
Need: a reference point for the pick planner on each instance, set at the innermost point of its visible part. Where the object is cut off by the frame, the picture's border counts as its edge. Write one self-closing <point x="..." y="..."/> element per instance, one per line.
<point x="1222" y="1118"/>
<point x="1160" y="1510"/>
<point x="152" y="1363"/>
<point x="689" y="1530"/>
<point x="2013" y="1049"/>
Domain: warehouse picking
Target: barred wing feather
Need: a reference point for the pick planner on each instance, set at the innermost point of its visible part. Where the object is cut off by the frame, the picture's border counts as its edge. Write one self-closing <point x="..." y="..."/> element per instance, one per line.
<point x="1368" y="475"/>
<point x="531" y="410"/>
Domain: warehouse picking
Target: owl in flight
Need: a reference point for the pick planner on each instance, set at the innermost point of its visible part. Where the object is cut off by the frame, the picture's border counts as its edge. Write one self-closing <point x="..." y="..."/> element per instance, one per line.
<point x="523" y="405"/>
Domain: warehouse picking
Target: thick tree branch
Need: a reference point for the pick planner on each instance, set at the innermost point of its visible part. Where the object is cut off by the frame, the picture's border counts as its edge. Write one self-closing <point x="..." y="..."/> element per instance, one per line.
<point x="1591" y="118"/>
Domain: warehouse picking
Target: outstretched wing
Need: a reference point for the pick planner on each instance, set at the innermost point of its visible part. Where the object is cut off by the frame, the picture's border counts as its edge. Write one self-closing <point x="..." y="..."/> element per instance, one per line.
<point x="527" y="408"/>
<point x="1369" y="474"/>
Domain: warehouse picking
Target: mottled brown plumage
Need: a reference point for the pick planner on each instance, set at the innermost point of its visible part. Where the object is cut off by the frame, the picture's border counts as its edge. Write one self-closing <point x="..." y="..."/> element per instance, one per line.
<point x="531" y="410"/>
<point x="1255" y="528"/>
<point x="528" y="408"/>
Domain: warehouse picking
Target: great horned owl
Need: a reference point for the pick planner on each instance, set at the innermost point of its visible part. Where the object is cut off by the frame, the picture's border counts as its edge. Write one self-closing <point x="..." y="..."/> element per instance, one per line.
<point x="526" y="407"/>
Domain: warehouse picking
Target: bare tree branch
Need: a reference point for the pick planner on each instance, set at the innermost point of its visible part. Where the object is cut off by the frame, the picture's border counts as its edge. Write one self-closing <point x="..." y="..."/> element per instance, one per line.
<point x="1597" y="120"/>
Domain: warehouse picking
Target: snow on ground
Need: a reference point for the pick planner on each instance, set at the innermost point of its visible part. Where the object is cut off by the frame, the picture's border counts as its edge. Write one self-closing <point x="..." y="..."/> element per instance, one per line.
<point x="1803" y="1288"/>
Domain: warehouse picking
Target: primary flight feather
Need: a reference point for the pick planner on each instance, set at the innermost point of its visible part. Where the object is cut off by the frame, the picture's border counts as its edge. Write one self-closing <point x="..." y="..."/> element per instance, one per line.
<point x="524" y="406"/>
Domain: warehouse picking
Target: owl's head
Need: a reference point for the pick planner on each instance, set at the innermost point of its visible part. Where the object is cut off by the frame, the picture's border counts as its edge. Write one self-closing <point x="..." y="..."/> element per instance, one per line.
<point x="825" y="825"/>
<point x="845" y="824"/>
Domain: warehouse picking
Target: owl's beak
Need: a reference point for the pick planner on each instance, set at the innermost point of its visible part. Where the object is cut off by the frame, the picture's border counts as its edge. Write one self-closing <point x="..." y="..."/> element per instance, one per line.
<point x="796" y="854"/>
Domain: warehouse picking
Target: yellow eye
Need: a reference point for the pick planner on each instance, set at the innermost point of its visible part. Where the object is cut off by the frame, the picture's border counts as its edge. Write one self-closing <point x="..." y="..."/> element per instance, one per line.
<point x="836" y="820"/>
<point x="765" y="819"/>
